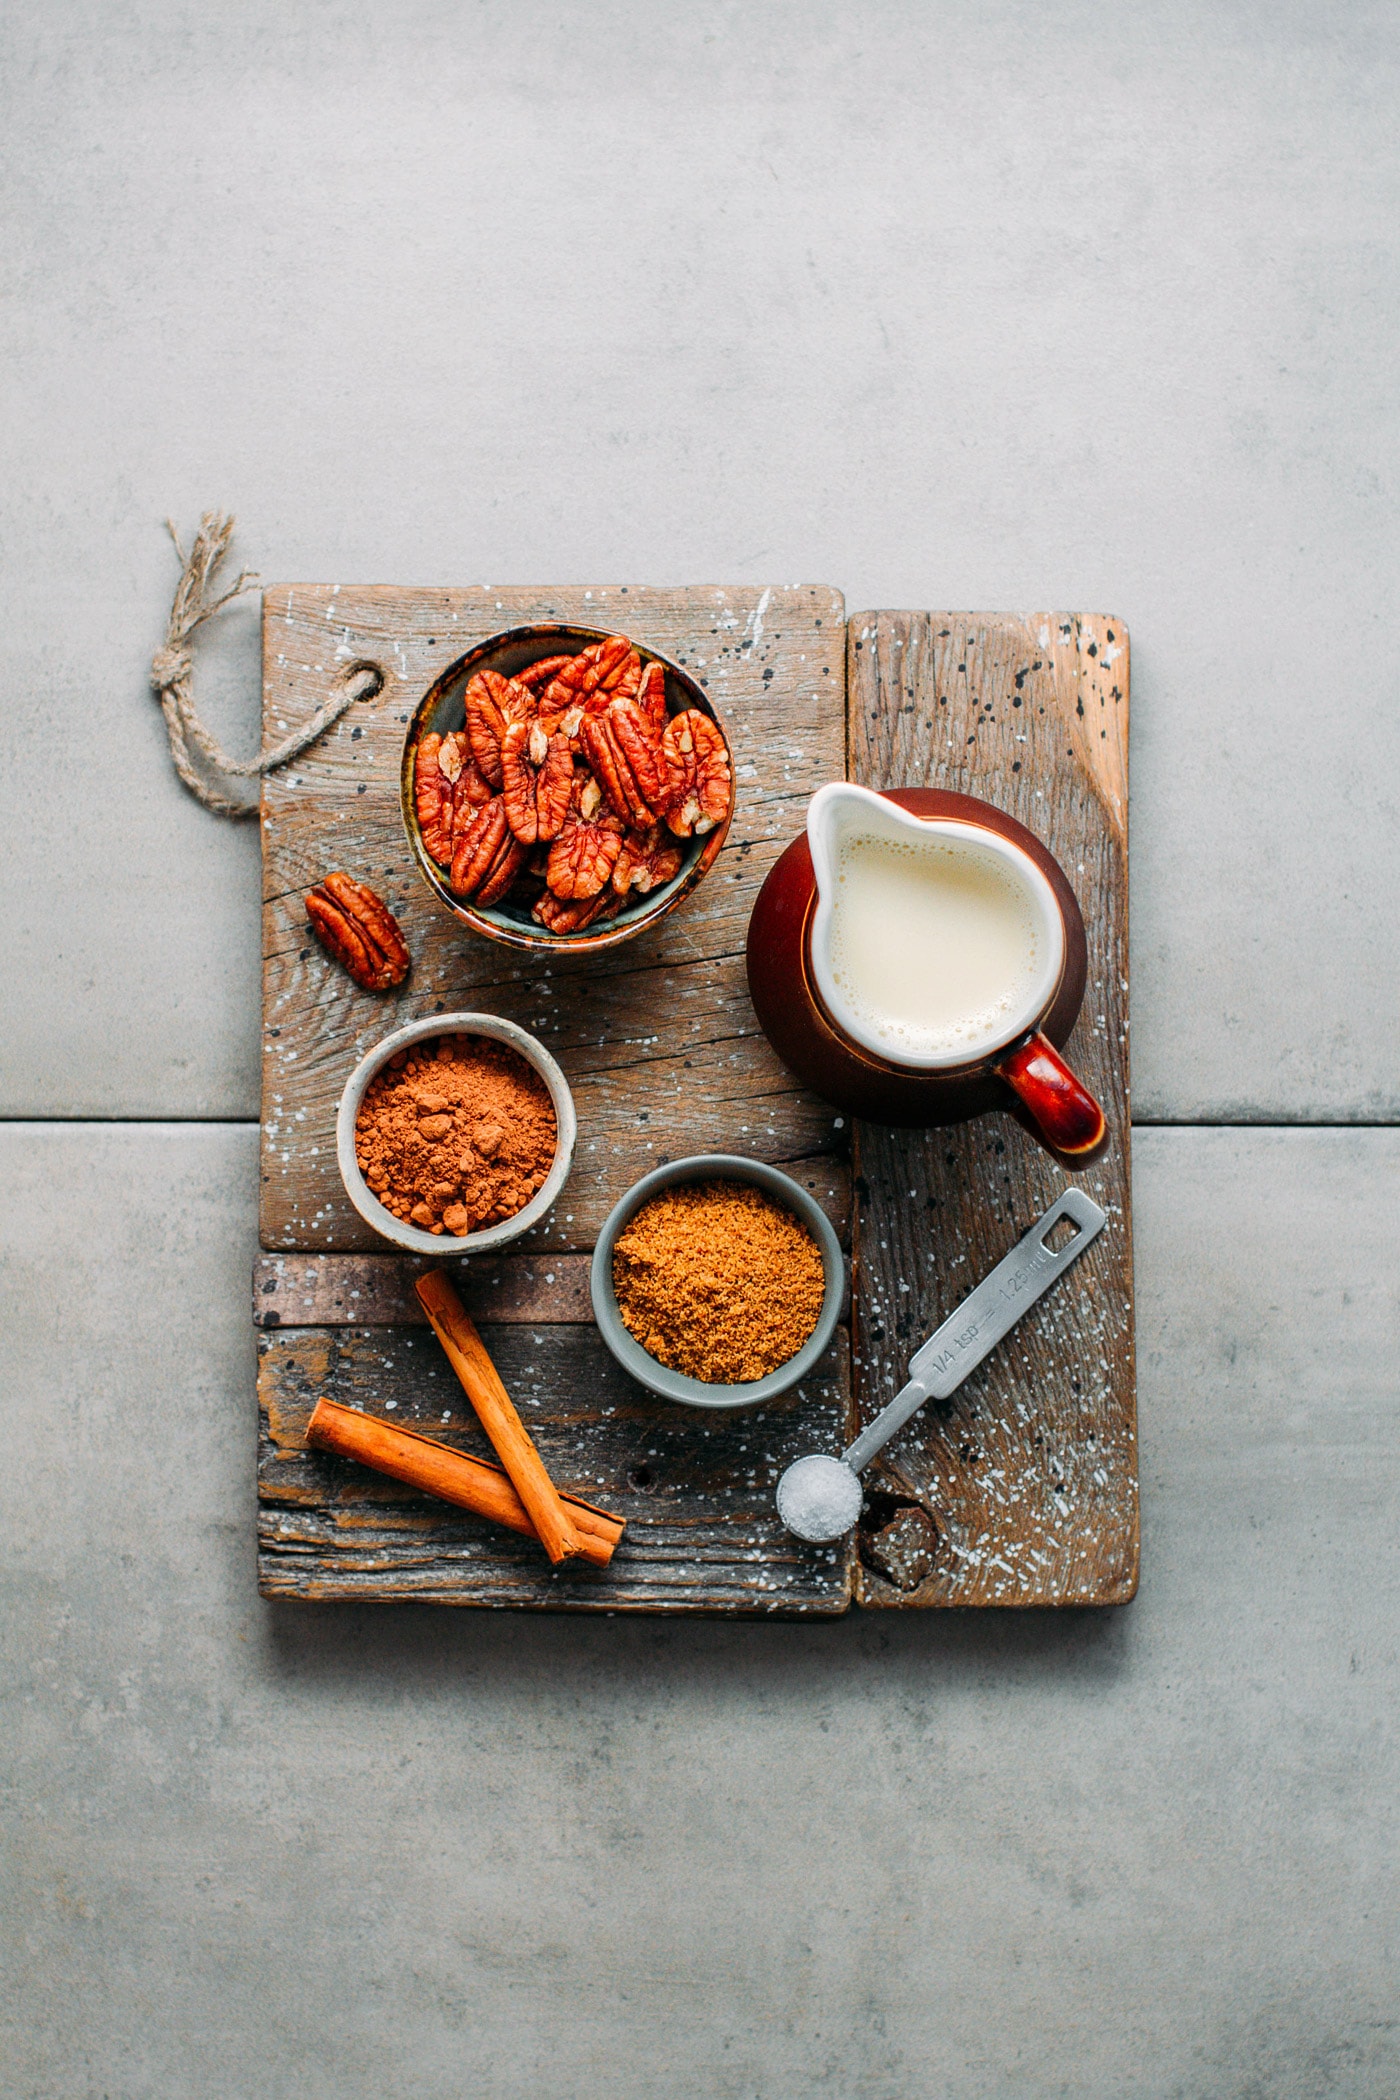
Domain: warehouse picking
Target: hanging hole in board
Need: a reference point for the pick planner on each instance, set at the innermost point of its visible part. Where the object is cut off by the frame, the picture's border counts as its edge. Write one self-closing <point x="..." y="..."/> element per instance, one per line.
<point x="371" y="676"/>
<point x="1061" y="1233"/>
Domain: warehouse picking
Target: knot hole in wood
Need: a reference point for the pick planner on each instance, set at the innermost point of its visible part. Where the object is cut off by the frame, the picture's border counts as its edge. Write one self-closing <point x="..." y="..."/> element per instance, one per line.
<point x="898" y="1540"/>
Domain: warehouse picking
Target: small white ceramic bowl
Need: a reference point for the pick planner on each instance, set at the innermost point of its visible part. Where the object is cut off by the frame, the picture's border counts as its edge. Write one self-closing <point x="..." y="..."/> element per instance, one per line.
<point x="440" y="1243"/>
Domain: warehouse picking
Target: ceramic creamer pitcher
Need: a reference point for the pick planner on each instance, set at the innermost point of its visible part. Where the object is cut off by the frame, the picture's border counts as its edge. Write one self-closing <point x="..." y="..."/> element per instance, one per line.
<point x="917" y="957"/>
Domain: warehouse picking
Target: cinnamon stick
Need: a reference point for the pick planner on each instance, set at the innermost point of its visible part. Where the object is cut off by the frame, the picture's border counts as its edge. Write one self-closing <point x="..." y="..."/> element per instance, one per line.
<point x="453" y="1476"/>
<point x="466" y="1352"/>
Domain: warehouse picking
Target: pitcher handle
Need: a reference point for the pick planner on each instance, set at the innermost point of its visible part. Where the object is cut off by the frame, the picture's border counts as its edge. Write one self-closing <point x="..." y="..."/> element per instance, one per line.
<point x="1066" y="1114"/>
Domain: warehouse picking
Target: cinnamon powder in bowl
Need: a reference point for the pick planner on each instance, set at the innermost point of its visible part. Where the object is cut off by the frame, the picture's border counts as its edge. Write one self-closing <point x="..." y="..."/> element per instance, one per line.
<point x="455" y="1134"/>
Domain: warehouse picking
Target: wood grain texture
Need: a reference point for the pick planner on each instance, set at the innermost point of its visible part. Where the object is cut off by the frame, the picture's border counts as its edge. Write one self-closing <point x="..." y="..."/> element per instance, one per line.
<point x="657" y="1037"/>
<point x="702" y="1531"/>
<point x="1021" y="1489"/>
<point x="376" y="1290"/>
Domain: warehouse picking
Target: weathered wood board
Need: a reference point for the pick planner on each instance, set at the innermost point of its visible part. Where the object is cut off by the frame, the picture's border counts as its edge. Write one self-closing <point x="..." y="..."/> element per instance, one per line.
<point x="1022" y="1488"/>
<point x="1020" y="1491"/>
<point x="664" y="1056"/>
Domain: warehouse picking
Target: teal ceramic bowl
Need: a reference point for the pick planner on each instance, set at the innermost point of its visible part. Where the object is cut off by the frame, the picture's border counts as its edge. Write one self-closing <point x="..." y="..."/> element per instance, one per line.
<point x="674" y="1385"/>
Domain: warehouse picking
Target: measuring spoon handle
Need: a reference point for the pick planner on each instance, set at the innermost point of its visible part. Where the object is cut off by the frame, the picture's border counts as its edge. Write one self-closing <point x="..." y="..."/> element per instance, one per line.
<point x="984" y="1317"/>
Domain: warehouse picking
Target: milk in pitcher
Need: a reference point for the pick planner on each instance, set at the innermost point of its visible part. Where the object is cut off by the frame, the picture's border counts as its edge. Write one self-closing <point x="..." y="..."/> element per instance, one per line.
<point x="935" y="943"/>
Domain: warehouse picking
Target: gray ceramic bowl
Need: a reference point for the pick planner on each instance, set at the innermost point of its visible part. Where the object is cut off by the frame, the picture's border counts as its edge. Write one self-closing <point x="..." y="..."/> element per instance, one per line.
<point x="441" y="1243"/>
<point x="673" y="1385"/>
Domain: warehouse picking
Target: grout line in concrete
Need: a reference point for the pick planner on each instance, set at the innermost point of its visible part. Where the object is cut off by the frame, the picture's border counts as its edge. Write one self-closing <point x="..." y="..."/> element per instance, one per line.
<point x="1138" y="1122"/>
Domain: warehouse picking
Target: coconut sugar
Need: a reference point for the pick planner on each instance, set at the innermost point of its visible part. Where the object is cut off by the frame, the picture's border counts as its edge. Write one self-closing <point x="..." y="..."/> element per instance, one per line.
<point x="718" y="1281"/>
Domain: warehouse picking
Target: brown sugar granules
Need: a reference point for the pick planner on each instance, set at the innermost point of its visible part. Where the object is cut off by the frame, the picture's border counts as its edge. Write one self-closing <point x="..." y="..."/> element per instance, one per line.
<point x="718" y="1281"/>
<point x="456" y="1133"/>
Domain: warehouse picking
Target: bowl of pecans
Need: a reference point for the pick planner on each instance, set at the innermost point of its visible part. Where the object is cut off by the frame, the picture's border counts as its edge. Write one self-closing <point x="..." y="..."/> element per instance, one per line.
<point x="564" y="788"/>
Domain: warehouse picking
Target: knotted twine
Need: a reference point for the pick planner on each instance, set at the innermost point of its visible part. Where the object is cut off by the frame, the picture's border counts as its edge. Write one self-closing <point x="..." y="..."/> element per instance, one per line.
<point x="172" y="675"/>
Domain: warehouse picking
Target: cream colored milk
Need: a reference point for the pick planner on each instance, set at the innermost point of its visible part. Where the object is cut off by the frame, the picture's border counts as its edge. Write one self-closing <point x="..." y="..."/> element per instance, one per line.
<point x="935" y="945"/>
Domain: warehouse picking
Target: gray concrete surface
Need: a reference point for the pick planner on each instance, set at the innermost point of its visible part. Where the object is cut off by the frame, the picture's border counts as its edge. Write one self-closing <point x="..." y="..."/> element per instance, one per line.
<point x="982" y="303"/>
<point x="986" y="303"/>
<point x="410" y="1854"/>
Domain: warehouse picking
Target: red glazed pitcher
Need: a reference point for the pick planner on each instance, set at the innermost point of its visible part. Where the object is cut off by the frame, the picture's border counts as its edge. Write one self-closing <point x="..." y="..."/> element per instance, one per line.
<point x="918" y="957"/>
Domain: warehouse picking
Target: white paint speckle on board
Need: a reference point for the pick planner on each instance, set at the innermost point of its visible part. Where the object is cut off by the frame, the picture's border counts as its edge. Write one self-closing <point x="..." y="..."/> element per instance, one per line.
<point x="755" y="619"/>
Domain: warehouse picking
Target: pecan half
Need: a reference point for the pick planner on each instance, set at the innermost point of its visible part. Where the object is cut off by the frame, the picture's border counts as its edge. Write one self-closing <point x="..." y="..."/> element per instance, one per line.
<point x="607" y="670"/>
<point x="446" y="783"/>
<point x="359" y="930"/>
<point x="647" y="859"/>
<point x="560" y="916"/>
<point x="492" y="704"/>
<point x="582" y="857"/>
<point x="627" y="760"/>
<point x="537" y="675"/>
<point x="471" y="791"/>
<point x="432" y="799"/>
<point x="487" y="858"/>
<point x="699" y="782"/>
<point x="537" y="781"/>
<point x="651" y="698"/>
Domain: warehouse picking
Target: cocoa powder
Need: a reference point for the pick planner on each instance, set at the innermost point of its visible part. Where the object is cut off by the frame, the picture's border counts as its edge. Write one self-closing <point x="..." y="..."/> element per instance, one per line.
<point x="718" y="1281"/>
<point x="455" y="1134"/>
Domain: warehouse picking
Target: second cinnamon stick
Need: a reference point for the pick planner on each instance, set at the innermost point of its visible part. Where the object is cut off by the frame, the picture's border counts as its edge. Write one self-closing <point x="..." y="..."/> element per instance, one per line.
<point x="467" y="1354"/>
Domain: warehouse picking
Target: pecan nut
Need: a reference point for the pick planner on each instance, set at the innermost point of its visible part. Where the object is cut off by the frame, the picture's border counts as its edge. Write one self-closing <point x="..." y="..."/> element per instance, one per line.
<point x="651" y="698"/>
<point x="487" y="857"/>
<point x="584" y="854"/>
<point x="359" y="930"/>
<point x="448" y="787"/>
<point x="432" y="799"/>
<point x="627" y="760"/>
<point x="647" y="860"/>
<point x="537" y="781"/>
<point x="493" y="703"/>
<point x="537" y="675"/>
<point x="558" y="915"/>
<point x="699" y="780"/>
<point x="607" y="670"/>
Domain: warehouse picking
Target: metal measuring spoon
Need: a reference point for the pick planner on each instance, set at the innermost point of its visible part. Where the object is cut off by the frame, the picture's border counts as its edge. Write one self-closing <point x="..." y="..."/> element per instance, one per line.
<point x="819" y="1498"/>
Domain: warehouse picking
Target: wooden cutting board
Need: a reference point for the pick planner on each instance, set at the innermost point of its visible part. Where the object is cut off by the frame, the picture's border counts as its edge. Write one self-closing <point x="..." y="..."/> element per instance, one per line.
<point x="664" y="1056"/>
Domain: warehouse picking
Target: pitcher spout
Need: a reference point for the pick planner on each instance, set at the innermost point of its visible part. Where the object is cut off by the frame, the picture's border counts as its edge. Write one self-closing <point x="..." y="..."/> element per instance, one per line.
<point x="831" y="813"/>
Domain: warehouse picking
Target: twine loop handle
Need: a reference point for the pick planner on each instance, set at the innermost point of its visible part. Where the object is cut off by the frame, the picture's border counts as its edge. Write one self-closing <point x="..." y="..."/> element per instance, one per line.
<point x="172" y="675"/>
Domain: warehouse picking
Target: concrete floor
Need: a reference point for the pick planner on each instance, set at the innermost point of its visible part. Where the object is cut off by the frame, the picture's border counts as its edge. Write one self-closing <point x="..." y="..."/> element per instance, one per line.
<point x="981" y="304"/>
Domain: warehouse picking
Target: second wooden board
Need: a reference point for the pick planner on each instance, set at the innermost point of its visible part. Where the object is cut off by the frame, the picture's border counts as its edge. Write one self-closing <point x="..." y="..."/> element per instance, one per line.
<point x="1022" y="1488"/>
